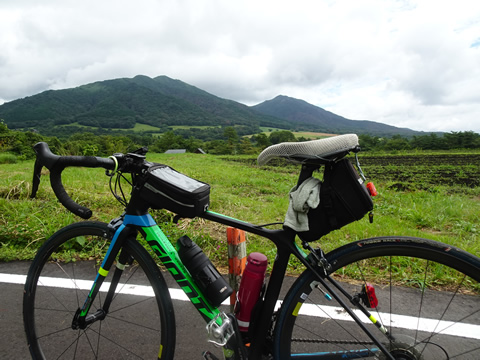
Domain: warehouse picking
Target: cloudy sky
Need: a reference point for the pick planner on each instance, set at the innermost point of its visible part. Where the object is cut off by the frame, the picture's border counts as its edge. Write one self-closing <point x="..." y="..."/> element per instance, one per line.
<point x="412" y="64"/>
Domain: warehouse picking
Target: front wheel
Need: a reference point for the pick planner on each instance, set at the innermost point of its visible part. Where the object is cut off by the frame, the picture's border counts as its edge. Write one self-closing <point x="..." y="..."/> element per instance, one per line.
<point x="428" y="299"/>
<point x="140" y="322"/>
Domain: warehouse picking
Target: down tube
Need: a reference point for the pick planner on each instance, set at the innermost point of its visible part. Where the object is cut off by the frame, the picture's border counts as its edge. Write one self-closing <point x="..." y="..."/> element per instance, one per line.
<point x="168" y="255"/>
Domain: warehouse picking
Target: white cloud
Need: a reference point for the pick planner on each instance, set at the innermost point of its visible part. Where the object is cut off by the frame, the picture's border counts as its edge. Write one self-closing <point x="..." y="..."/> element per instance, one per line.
<point x="406" y="63"/>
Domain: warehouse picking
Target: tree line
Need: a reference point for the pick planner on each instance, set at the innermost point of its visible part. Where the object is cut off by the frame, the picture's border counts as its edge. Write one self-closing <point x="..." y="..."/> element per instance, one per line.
<point x="446" y="141"/>
<point x="19" y="143"/>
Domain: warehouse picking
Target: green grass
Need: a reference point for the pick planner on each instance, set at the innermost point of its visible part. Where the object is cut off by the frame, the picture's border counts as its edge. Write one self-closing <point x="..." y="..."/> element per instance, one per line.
<point x="306" y="134"/>
<point x="183" y="127"/>
<point x="144" y="127"/>
<point x="6" y="158"/>
<point x="137" y="128"/>
<point x="241" y="189"/>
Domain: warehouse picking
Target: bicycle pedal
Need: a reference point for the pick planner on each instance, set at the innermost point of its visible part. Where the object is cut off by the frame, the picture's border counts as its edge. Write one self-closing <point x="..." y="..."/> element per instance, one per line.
<point x="207" y="355"/>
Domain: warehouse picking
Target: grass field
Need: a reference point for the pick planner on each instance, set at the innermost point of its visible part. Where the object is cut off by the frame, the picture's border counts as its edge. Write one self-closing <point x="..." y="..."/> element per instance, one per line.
<point x="174" y="127"/>
<point x="137" y="128"/>
<point x="436" y="196"/>
<point x="306" y="134"/>
<point x="157" y="132"/>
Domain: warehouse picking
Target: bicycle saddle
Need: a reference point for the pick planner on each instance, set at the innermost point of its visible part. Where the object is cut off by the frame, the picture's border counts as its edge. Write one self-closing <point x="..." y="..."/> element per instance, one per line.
<point x="312" y="152"/>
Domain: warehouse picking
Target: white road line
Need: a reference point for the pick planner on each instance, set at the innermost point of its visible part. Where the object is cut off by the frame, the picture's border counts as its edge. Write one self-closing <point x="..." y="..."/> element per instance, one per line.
<point x="399" y="321"/>
<point x="141" y="290"/>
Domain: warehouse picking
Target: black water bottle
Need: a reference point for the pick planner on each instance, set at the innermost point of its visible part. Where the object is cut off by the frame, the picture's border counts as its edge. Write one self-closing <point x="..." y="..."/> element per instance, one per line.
<point x="206" y="276"/>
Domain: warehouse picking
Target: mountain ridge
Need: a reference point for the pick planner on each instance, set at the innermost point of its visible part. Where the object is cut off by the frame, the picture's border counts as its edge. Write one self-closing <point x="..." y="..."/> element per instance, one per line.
<point x="162" y="101"/>
<point x="299" y="111"/>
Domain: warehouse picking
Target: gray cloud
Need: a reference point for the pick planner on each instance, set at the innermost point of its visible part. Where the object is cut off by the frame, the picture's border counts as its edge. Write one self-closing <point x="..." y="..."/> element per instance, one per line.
<point x="406" y="63"/>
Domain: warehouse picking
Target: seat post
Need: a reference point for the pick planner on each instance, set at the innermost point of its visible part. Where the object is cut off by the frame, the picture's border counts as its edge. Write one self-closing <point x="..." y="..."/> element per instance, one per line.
<point x="306" y="172"/>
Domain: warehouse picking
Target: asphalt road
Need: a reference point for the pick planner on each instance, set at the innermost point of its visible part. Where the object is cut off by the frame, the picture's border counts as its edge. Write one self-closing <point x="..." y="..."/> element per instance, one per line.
<point x="191" y="333"/>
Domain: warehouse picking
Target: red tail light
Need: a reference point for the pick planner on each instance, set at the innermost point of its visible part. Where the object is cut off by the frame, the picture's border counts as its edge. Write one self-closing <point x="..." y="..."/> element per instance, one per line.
<point x="371" y="189"/>
<point x="369" y="297"/>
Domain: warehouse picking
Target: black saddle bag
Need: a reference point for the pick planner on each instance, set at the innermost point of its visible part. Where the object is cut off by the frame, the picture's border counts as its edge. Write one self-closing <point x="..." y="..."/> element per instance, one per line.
<point x="166" y="188"/>
<point x="344" y="198"/>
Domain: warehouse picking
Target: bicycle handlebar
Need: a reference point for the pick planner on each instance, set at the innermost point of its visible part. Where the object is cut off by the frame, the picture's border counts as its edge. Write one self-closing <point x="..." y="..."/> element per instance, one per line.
<point x="56" y="164"/>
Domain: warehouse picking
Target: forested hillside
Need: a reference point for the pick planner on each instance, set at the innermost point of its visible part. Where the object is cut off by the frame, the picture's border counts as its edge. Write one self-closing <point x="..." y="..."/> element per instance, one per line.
<point x="299" y="113"/>
<point x="163" y="102"/>
<point x="122" y="103"/>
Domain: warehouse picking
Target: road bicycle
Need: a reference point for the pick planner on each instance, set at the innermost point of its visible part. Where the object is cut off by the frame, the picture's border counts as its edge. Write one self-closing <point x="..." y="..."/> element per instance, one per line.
<point x="94" y="290"/>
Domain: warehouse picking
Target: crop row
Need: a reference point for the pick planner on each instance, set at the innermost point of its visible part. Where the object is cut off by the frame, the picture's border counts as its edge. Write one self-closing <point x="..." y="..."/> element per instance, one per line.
<point x="424" y="171"/>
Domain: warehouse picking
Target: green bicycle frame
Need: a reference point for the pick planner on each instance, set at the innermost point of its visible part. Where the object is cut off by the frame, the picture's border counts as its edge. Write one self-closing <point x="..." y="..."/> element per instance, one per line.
<point x="167" y="254"/>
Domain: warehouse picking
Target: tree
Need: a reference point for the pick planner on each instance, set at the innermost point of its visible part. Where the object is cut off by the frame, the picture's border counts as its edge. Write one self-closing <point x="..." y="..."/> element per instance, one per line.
<point x="246" y="146"/>
<point x="277" y="137"/>
<point x="193" y="144"/>
<point x="462" y="140"/>
<point x="231" y="134"/>
<point x="167" y="141"/>
<point x="218" y="147"/>
<point x="3" y="127"/>
<point x="368" y="142"/>
<point x="261" y="140"/>
<point x="397" y="143"/>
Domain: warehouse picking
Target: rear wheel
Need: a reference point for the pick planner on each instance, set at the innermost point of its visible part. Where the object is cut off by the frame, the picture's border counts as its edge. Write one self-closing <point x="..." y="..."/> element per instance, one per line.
<point x="429" y="300"/>
<point x="140" y="322"/>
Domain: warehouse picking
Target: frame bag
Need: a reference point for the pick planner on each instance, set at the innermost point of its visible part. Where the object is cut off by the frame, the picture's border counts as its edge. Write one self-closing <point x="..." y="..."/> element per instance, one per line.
<point x="166" y="188"/>
<point x="344" y="198"/>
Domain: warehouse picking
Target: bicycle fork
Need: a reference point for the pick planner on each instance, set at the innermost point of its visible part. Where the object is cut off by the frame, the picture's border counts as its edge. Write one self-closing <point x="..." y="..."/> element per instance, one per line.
<point x="82" y="318"/>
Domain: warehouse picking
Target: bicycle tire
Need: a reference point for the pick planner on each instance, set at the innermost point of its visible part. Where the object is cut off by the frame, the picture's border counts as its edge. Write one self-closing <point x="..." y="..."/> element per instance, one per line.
<point x="440" y="318"/>
<point x="136" y="326"/>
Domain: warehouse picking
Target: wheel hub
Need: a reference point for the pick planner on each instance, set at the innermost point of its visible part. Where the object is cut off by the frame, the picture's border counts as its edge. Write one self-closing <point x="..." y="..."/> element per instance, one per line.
<point x="403" y="354"/>
<point x="404" y="348"/>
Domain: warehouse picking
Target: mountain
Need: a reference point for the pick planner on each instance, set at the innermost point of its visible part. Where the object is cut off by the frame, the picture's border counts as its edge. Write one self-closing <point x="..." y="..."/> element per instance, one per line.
<point x="121" y="103"/>
<point x="162" y="102"/>
<point x="300" y="113"/>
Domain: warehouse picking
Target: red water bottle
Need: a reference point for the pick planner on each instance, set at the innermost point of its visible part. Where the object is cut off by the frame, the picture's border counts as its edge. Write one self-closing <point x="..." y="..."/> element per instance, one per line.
<point x="250" y="287"/>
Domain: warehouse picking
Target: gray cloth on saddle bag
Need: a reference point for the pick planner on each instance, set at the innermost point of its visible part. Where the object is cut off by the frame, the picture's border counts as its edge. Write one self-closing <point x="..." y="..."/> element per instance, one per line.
<point x="306" y="197"/>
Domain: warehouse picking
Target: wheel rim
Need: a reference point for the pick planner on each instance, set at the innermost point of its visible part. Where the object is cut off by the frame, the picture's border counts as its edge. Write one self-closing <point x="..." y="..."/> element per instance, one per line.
<point x="131" y="329"/>
<point x="415" y="307"/>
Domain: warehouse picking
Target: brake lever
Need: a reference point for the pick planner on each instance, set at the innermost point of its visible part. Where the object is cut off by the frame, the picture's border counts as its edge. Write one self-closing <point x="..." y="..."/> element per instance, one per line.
<point x="37" y="171"/>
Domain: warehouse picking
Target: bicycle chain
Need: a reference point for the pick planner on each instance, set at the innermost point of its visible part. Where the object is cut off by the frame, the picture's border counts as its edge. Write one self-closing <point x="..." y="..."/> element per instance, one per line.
<point x="340" y="342"/>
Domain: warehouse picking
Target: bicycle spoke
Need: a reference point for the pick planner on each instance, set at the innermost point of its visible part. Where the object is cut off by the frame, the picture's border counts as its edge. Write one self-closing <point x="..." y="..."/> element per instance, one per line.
<point x="59" y="289"/>
<point x="432" y="310"/>
<point x="424" y="285"/>
<point x="134" y="323"/>
<point x="129" y="305"/>
<point x="346" y="329"/>
<point x="69" y="328"/>
<point x="115" y="343"/>
<point x="125" y="282"/>
<point x="466" y="353"/>
<point x="47" y="287"/>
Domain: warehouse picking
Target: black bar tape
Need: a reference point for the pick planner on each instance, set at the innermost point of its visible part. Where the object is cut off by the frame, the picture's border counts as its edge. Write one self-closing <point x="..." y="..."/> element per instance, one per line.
<point x="62" y="196"/>
<point x="85" y="161"/>
<point x="56" y="164"/>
